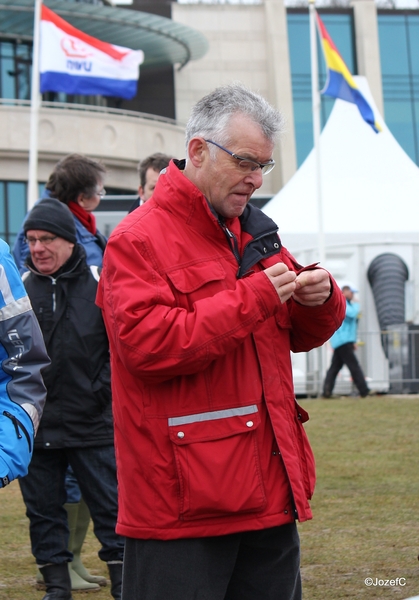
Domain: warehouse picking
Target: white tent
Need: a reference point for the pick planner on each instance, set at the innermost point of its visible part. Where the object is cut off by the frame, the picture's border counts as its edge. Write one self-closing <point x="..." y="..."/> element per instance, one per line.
<point x="369" y="184"/>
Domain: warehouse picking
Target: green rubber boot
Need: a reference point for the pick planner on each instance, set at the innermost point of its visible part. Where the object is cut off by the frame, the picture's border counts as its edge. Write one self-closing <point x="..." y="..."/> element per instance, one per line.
<point x="78" y="531"/>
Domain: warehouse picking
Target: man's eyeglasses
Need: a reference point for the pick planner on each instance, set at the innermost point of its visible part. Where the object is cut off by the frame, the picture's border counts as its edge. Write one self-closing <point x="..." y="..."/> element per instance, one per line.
<point x="45" y="240"/>
<point x="102" y="193"/>
<point x="247" y="165"/>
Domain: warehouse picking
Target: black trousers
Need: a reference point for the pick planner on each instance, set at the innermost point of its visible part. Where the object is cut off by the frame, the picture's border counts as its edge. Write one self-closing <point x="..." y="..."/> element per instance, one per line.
<point x="345" y="355"/>
<point x="253" y="565"/>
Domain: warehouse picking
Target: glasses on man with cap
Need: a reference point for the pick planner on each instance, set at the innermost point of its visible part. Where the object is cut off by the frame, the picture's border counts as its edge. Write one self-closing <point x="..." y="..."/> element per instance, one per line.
<point x="247" y="165"/>
<point x="45" y="240"/>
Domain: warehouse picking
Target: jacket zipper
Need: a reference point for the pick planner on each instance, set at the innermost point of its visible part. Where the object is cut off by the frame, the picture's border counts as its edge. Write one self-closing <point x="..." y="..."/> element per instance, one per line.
<point x="232" y="242"/>
<point x="18" y="425"/>
<point x="54" y="287"/>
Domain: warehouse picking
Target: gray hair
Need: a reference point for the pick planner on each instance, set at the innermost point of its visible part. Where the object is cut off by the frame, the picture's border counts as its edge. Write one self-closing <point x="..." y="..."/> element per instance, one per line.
<point x="210" y="115"/>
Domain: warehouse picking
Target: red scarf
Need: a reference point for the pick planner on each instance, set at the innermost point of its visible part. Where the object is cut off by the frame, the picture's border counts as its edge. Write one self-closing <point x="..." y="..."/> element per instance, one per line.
<point x="87" y="219"/>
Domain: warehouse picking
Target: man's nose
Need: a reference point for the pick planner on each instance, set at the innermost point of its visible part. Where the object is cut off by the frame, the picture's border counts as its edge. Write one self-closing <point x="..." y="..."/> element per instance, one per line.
<point x="255" y="177"/>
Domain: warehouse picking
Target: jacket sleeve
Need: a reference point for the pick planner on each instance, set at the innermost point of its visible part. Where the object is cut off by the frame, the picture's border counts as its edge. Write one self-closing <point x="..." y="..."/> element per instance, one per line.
<point x="22" y="358"/>
<point x="155" y="337"/>
<point x="312" y="326"/>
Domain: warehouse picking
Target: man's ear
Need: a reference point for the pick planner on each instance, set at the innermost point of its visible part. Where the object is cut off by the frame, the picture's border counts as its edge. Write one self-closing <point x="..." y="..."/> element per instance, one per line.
<point x="198" y="150"/>
<point x="79" y="199"/>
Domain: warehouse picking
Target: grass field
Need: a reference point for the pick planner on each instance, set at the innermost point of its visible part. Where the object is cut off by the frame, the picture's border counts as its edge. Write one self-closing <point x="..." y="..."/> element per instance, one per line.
<point x="366" y="508"/>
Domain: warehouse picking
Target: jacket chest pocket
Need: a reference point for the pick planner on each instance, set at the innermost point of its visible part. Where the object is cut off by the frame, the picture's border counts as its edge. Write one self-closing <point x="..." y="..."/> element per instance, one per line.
<point x="195" y="281"/>
<point x="217" y="463"/>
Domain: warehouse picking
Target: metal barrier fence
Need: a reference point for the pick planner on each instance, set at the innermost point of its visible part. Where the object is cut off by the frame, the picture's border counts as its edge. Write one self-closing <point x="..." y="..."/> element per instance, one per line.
<point x="389" y="359"/>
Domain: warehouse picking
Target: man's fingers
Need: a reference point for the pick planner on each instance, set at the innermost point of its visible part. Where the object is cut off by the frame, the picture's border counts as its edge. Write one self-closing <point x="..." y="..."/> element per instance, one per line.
<point x="277" y="269"/>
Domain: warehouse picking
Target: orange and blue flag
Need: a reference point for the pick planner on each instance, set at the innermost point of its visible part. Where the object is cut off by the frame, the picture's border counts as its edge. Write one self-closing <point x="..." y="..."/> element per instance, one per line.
<point x="340" y="83"/>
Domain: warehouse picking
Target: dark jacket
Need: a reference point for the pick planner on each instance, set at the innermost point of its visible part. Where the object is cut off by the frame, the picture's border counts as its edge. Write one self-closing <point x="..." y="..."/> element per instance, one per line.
<point x="78" y="407"/>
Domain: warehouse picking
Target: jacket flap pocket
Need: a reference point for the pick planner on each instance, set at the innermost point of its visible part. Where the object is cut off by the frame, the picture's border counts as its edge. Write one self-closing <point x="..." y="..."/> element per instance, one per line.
<point x="191" y="277"/>
<point x="213" y="425"/>
<point x="302" y="414"/>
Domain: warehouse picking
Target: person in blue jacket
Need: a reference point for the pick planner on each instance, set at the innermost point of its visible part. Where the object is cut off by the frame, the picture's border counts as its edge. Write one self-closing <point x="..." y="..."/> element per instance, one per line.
<point x="343" y="342"/>
<point x="77" y="181"/>
<point x="22" y="358"/>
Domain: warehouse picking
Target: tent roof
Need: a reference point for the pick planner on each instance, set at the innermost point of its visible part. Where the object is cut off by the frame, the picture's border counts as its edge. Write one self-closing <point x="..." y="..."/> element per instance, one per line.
<point x="163" y="41"/>
<point x="368" y="182"/>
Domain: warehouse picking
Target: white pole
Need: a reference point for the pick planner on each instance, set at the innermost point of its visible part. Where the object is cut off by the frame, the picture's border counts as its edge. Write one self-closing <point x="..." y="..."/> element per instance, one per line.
<point x="35" y="102"/>
<point x="316" y="104"/>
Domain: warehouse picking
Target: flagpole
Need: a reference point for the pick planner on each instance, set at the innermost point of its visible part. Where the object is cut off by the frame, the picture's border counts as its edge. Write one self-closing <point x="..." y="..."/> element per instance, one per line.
<point x="316" y="104"/>
<point x="34" y="118"/>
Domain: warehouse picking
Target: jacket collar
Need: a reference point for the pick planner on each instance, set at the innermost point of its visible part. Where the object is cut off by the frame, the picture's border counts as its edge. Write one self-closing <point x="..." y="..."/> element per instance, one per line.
<point x="259" y="232"/>
<point x="192" y="205"/>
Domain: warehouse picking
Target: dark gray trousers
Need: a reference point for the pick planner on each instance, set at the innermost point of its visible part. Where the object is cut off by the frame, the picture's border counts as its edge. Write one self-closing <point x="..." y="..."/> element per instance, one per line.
<point x="345" y="355"/>
<point x="253" y="565"/>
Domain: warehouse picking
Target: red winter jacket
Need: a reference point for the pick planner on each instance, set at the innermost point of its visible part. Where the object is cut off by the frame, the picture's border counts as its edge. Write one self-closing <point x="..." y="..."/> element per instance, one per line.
<point x="209" y="438"/>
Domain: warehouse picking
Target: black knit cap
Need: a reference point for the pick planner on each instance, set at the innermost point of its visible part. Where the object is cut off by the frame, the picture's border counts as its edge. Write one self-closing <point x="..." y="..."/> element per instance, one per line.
<point x="53" y="216"/>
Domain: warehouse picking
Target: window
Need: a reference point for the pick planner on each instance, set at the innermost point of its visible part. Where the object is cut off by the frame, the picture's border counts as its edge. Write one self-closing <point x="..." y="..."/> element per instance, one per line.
<point x="399" y="56"/>
<point x="340" y="28"/>
<point x="12" y="209"/>
<point x="15" y="70"/>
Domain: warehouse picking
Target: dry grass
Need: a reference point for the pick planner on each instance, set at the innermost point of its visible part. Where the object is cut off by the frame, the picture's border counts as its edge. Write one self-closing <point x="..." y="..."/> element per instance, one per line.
<point x="366" y="507"/>
<point x="17" y="565"/>
<point x="366" y="504"/>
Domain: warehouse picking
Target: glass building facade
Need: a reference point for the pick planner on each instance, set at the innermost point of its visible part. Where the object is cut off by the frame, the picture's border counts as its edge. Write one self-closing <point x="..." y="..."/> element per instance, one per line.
<point x="15" y="70"/>
<point x="399" y="55"/>
<point x="12" y="209"/>
<point x="341" y="29"/>
<point x="398" y="32"/>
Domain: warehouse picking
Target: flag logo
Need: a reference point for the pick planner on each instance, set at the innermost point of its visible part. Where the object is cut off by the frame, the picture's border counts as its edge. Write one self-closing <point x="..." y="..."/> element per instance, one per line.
<point x="74" y="62"/>
<point x="340" y="83"/>
<point x="75" y="49"/>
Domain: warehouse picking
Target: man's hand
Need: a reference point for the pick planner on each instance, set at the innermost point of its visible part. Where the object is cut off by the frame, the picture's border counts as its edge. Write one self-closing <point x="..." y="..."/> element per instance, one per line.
<point x="312" y="288"/>
<point x="282" y="279"/>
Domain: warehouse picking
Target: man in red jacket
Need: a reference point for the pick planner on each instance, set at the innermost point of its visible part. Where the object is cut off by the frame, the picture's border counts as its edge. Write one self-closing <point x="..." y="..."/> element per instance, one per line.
<point x="203" y="305"/>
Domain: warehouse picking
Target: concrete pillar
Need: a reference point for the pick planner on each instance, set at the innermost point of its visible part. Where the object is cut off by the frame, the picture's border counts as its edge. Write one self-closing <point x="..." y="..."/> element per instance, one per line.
<point x="368" y="48"/>
<point x="280" y="89"/>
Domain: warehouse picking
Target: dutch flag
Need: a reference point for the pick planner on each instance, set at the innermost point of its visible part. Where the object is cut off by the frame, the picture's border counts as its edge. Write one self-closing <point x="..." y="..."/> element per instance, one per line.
<point x="76" y="63"/>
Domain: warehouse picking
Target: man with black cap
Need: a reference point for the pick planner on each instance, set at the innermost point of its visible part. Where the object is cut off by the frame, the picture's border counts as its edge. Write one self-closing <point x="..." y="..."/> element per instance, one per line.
<point x="76" y="428"/>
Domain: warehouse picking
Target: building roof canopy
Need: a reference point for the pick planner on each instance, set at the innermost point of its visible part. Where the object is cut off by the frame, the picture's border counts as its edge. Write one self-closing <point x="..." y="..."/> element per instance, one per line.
<point x="163" y="41"/>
